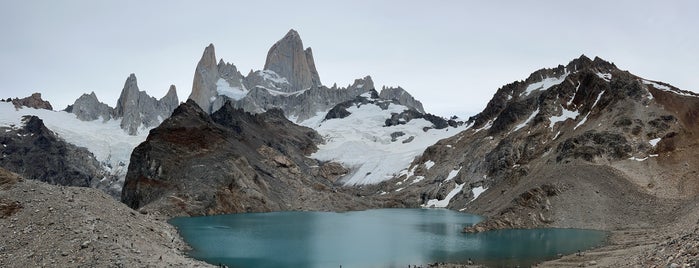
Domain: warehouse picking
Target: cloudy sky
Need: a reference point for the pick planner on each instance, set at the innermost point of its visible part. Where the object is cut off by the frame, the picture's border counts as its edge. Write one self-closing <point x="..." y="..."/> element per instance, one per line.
<point x="451" y="55"/>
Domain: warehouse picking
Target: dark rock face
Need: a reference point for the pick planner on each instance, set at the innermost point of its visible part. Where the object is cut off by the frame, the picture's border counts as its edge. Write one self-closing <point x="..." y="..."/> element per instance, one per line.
<point x="231" y="161"/>
<point x="591" y="145"/>
<point x="33" y="101"/>
<point x="35" y="152"/>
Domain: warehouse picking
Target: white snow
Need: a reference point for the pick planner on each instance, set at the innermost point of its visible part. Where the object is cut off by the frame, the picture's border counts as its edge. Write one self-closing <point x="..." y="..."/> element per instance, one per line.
<point x="444" y="202"/>
<point x="224" y="88"/>
<point x="581" y="122"/>
<point x="588" y="113"/>
<point x="452" y="174"/>
<point x="666" y="88"/>
<point x="362" y="143"/>
<point x="638" y="159"/>
<point x="477" y="192"/>
<point x="105" y="139"/>
<point x="607" y="77"/>
<point x="653" y="142"/>
<point x="418" y="179"/>
<point x="429" y="164"/>
<point x="566" y="114"/>
<point x="360" y="86"/>
<point x="545" y="84"/>
<point x="526" y="121"/>
<point x="272" y="76"/>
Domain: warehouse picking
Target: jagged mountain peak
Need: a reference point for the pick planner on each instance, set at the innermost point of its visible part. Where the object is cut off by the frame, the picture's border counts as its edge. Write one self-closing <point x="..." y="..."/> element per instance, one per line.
<point x="288" y="58"/>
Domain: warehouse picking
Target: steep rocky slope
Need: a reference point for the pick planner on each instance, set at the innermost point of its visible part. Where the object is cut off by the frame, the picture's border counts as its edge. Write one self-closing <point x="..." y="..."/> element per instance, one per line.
<point x="231" y="161"/>
<point x="44" y="225"/>
<point x="583" y="145"/>
<point x="35" y="152"/>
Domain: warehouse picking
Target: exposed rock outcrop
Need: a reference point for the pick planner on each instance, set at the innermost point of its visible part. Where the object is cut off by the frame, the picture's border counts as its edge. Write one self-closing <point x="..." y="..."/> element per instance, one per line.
<point x="136" y="108"/>
<point x="289" y="82"/>
<point x="231" y="161"/>
<point x="33" y="101"/>
<point x="87" y="108"/>
<point x="37" y="153"/>
<point x="288" y="59"/>
<point x="402" y="97"/>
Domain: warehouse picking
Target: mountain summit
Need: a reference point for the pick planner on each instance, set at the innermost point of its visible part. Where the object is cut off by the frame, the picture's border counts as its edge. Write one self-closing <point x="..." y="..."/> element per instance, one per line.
<point x="289" y="81"/>
<point x="288" y="59"/>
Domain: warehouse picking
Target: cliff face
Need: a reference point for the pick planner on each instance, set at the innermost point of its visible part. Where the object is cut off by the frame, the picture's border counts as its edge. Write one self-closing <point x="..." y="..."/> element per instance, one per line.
<point x="137" y="109"/>
<point x="231" y="161"/>
<point x="288" y="59"/>
<point x="584" y="145"/>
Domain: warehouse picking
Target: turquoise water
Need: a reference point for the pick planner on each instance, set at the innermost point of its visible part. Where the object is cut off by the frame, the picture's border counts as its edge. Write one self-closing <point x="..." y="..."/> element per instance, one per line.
<point x="371" y="238"/>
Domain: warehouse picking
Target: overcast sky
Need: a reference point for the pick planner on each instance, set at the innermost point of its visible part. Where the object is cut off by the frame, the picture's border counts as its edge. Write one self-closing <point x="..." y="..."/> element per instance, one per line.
<point x="451" y="55"/>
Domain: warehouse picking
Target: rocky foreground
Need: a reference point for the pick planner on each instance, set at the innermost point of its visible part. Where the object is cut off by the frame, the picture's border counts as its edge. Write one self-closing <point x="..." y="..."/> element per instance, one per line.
<point x="44" y="225"/>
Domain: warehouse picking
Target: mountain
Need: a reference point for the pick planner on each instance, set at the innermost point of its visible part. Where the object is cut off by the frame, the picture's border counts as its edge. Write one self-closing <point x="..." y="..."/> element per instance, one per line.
<point x="135" y="109"/>
<point x="289" y="82"/>
<point x="584" y="145"/>
<point x="231" y="161"/>
<point x="375" y="138"/>
<point x="34" y="101"/>
<point x="288" y="59"/>
<point x="35" y="152"/>
<point x="68" y="143"/>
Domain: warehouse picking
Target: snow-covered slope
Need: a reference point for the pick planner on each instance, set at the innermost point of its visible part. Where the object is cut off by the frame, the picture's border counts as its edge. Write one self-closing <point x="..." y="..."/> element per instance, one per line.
<point x="363" y="143"/>
<point x="109" y="143"/>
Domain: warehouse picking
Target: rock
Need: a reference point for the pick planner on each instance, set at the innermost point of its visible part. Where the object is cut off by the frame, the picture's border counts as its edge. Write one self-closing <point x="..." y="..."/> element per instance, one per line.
<point x="85" y="244"/>
<point x="33" y="101"/>
<point x="401" y="96"/>
<point x="289" y="60"/>
<point x="137" y="108"/>
<point x="236" y="162"/>
<point x="205" y="77"/>
<point x="35" y="152"/>
<point x="87" y="108"/>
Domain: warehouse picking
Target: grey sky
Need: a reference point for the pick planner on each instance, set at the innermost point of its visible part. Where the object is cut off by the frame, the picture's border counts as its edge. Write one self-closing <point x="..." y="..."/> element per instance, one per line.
<point x="451" y="55"/>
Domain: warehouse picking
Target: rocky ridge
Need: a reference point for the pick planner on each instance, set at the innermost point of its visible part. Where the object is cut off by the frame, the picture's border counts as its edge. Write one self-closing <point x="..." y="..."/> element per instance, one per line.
<point x="289" y="82"/>
<point x="582" y="145"/>
<point x="34" y="101"/>
<point x="229" y="162"/>
<point x="136" y="109"/>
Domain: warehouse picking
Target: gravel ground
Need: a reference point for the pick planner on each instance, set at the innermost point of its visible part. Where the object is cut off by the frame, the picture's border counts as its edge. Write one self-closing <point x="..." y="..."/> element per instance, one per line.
<point x="43" y="225"/>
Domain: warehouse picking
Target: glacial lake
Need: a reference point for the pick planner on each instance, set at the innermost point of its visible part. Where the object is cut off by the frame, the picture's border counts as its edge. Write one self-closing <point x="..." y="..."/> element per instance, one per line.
<point x="371" y="238"/>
